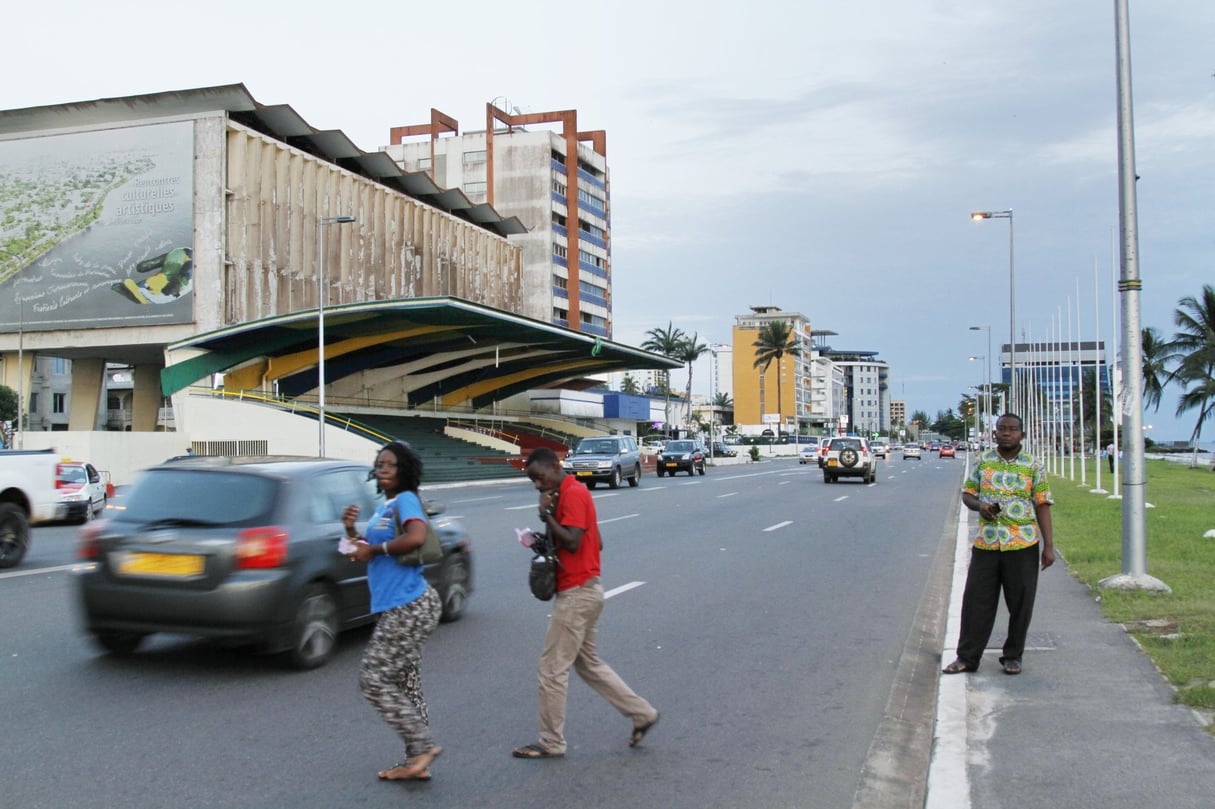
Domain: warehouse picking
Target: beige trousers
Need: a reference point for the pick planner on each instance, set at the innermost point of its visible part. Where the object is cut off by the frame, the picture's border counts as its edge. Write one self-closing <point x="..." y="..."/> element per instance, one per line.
<point x="570" y="642"/>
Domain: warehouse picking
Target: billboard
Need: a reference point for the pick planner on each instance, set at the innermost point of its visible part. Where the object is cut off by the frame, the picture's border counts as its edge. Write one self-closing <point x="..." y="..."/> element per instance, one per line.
<point x="97" y="229"/>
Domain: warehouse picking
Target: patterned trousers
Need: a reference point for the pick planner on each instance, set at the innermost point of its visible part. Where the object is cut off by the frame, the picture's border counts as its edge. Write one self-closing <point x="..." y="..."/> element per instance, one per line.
<point x="390" y="677"/>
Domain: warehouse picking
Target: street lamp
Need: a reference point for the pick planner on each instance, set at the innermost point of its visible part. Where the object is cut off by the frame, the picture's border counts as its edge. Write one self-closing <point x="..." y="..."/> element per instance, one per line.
<point x="1012" y="296"/>
<point x="987" y="368"/>
<point x="978" y="432"/>
<point x="320" y="321"/>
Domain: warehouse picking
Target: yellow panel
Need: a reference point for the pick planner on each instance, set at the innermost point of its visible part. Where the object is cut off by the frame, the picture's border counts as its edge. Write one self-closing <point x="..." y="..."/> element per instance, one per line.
<point x="461" y="395"/>
<point x="291" y="363"/>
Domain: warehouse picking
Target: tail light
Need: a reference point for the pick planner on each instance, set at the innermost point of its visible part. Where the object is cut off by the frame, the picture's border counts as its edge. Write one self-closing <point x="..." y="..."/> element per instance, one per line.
<point x="88" y="546"/>
<point x="59" y="481"/>
<point x="261" y="547"/>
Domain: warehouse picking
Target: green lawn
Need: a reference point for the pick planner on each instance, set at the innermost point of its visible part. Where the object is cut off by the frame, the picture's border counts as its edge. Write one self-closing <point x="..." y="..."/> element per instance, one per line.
<point x="1177" y="630"/>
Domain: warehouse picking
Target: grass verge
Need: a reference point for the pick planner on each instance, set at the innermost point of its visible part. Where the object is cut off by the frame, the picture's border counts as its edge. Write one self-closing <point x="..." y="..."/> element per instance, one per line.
<point x="1177" y="630"/>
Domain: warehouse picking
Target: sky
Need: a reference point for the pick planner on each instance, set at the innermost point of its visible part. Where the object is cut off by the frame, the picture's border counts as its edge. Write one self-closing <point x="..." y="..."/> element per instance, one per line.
<point x="817" y="156"/>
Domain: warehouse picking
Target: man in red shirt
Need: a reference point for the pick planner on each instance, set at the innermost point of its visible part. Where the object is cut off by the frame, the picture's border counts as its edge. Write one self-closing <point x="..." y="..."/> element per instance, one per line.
<point x="568" y="512"/>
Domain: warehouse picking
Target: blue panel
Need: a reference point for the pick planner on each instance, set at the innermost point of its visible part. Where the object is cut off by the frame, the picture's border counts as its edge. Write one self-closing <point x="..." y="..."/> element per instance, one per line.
<point x="624" y="406"/>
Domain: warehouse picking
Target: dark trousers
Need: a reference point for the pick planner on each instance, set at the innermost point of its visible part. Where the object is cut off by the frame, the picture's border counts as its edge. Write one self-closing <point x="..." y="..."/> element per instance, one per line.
<point x="1111" y="457"/>
<point x="1014" y="572"/>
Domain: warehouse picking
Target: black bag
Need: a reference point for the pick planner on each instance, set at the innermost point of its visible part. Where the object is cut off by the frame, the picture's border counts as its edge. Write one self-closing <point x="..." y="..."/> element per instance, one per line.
<point x="542" y="573"/>
<point x="430" y="551"/>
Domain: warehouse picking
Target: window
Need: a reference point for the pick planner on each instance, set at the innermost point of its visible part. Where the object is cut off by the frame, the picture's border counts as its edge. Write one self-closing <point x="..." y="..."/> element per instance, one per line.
<point x="560" y="283"/>
<point x="475" y="189"/>
<point x="57" y="402"/>
<point x="33" y="403"/>
<point x="558" y="187"/>
<point x="424" y="164"/>
<point x="474" y="158"/>
<point x="58" y="365"/>
<point x="559" y="250"/>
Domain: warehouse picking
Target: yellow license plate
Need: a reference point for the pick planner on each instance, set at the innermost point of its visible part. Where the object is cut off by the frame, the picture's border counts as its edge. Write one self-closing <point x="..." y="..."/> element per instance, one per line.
<point x="583" y="474"/>
<point x="672" y="464"/>
<point x="832" y="462"/>
<point x="161" y="564"/>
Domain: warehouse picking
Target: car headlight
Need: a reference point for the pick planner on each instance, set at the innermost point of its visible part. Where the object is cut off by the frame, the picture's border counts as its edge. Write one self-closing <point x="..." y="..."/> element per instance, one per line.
<point x="75" y="497"/>
<point x="604" y="464"/>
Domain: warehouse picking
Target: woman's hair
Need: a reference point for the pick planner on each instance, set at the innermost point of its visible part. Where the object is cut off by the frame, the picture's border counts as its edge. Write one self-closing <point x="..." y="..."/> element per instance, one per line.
<point x="409" y="466"/>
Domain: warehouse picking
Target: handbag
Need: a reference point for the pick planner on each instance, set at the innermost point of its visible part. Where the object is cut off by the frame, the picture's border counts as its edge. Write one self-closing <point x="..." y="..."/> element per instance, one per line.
<point x="542" y="572"/>
<point x="431" y="550"/>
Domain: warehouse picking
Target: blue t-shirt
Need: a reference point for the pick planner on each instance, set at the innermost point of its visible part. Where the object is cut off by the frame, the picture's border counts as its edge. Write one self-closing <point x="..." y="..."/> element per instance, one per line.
<point x="392" y="583"/>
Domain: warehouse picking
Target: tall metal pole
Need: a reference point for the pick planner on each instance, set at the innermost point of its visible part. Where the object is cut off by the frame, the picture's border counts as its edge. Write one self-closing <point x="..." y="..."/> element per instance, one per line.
<point x="1097" y="375"/>
<point x="1134" y="574"/>
<point x="320" y="323"/>
<point x="1080" y="396"/>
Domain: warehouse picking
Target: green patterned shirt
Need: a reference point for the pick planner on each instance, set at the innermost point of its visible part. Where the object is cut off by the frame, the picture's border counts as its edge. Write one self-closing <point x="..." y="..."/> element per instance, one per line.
<point x="1017" y="485"/>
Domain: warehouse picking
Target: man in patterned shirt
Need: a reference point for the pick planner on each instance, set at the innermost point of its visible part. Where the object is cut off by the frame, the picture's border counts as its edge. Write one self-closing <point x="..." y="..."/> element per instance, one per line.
<point x="1009" y="490"/>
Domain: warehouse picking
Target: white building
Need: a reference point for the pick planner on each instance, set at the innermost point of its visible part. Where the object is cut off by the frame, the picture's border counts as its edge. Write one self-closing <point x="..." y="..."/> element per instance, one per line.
<point x="525" y="173"/>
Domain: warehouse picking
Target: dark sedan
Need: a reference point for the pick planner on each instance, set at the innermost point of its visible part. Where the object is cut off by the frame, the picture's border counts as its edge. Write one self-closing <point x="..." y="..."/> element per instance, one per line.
<point x="243" y="551"/>
<point x="682" y="456"/>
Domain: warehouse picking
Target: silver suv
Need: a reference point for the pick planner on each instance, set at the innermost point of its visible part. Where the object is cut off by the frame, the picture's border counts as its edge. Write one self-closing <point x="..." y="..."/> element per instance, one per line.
<point x="849" y="456"/>
<point x="608" y="458"/>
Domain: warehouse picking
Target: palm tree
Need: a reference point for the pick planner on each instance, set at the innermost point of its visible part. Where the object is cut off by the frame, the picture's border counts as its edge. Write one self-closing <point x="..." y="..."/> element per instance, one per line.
<point x="629" y="385"/>
<point x="1157" y="354"/>
<point x="665" y="342"/>
<point x="689" y="352"/>
<point x="1194" y="344"/>
<point x="722" y="400"/>
<point x="776" y="339"/>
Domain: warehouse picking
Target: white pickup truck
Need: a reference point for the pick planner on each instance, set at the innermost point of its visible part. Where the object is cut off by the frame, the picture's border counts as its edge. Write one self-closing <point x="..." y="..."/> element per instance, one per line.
<point x="27" y="495"/>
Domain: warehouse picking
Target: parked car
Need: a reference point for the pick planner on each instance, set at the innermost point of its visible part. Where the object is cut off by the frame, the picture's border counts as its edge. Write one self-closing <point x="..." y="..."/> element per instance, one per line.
<point x="605" y="458"/>
<point x="722" y="450"/>
<point x="244" y="551"/>
<point x="948" y="451"/>
<point x="849" y="456"/>
<point x="682" y="455"/>
<point x="912" y="450"/>
<point x="82" y="489"/>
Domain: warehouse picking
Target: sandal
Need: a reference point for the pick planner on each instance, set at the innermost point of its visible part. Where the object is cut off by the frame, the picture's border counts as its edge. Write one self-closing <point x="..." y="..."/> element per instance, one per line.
<point x="1012" y="666"/>
<point x="639" y="731"/>
<point x="959" y="667"/>
<point x="415" y="769"/>
<point x="535" y="751"/>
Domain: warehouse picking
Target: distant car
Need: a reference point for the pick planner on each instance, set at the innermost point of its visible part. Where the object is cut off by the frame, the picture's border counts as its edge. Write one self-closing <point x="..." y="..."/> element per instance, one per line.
<point x="849" y="456"/>
<point x="880" y="448"/>
<point x="808" y="453"/>
<point x="935" y="446"/>
<point x="823" y="447"/>
<point x="605" y="458"/>
<point x="654" y="443"/>
<point x="912" y="450"/>
<point x="82" y="490"/>
<point x="681" y="455"/>
<point x="948" y="451"/>
<point x="244" y="551"/>
<point x="721" y="450"/>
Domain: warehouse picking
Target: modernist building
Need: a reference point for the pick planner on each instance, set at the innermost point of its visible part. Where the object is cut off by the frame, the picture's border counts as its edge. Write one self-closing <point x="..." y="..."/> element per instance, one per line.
<point x="783" y="389"/>
<point x="866" y="391"/>
<point x="1058" y="371"/>
<point x="556" y="183"/>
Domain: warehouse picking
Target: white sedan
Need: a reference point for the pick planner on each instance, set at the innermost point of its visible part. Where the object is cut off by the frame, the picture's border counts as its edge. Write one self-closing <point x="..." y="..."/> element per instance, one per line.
<point x="911" y="451"/>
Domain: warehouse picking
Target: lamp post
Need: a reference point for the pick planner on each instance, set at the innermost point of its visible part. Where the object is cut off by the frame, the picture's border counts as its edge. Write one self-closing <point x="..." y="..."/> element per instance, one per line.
<point x="320" y="322"/>
<point x="987" y="369"/>
<point x="1012" y="295"/>
<point x="972" y="358"/>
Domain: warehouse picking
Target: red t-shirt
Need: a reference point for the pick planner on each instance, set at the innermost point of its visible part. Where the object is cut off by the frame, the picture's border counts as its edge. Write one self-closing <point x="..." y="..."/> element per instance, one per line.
<point x="576" y="509"/>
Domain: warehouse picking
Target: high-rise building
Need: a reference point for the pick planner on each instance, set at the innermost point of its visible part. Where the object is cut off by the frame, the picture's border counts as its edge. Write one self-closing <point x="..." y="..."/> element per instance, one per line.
<point x="866" y="390"/>
<point x="782" y="389"/>
<point x="555" y="182"/>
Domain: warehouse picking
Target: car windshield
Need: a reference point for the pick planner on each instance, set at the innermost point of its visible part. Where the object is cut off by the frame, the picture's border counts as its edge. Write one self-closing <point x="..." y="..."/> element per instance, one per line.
<point x="207" y="497"/>
<point x="596" y="447"/>
<point x="680" y="446"/>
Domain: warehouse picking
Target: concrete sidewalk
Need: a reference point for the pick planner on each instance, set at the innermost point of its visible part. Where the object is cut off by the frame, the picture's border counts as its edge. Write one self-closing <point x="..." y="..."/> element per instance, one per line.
<point x="1089" y="723"/>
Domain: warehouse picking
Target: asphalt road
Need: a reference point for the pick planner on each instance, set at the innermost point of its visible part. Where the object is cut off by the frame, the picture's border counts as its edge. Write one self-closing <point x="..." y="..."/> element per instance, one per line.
<point x="763" y="612"/>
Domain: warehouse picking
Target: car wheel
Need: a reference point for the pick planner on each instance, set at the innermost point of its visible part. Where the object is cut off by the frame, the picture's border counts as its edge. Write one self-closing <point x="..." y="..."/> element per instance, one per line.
<point x="101" y="510"/>
<point x="316" y="628"/>
<point x="614" y="483"/>
<point x="455" y="590"/>
<point x="590" y="484"/>
<point x="659" y="471"/>
<point x="701" y="470"/>
<point x="118" y="643"/>
<point x="635" y="478"/>
<point x="849" y="457"/>
<point x="14" y="534"/>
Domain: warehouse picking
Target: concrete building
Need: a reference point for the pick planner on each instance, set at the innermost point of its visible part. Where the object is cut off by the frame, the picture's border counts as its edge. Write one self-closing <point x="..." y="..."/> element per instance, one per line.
<point x="556" y="183"/>
<point x="898" y="412"/>
<point x="866" y="385"/>
<point x="782" y="390"/>
<point x="1056" y="370"/>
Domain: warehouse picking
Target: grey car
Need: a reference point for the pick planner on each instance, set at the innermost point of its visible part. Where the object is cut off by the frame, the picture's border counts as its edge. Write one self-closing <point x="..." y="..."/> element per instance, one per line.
<point x="608" y="459"/>
<point x="243" y="551"/>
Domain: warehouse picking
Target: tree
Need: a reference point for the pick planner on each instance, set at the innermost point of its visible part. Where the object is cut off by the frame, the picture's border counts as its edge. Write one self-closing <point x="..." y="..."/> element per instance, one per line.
<point x="8" y="403"/>
<point x="776" y="339"/>
<point x="1157" y="354"/>
<point x="688" y="352"/>
<point x="629" y="385"/>
<point x="722" y="400"/>
<point x="665" y="342"/>
<point x="1194" y="346"/>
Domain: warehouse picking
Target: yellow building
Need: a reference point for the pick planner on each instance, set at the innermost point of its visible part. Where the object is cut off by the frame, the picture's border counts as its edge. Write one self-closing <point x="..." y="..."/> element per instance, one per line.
<point x="756" y="390"/>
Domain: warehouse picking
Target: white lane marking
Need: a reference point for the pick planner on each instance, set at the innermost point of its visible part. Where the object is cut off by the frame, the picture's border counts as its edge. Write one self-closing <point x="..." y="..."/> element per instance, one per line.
<point x="624" y="588"/>
<point x="518" y="508"/>
<point x="748" y="475"/>
<point x="56" y="569"/>
<point x="651" y="490"/>
<point x="477" y="499"/>
<point x="622" y="517"/>
<point x="841" y="497"/>
<point x="784" y="483"/>
<point x="727" y="494"/>
<point x="948" y="775"/>
<point x="778" y="526"/>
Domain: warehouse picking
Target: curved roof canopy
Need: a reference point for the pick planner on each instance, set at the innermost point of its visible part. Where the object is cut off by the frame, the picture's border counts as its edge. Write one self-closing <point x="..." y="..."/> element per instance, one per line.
<point x="443" y="350"/>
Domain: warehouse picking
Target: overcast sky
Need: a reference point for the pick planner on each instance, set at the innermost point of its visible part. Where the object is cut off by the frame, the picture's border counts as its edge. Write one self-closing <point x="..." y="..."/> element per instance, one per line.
<point x="818" y="156"/>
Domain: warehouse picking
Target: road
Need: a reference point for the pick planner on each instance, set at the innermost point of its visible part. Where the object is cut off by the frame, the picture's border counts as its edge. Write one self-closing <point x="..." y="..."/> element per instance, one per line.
<point x="763" y="612"/>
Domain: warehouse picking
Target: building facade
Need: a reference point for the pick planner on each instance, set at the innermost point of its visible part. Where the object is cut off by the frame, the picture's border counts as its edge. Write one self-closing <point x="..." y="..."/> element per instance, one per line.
<point x="784" y="389"/>
<point x="556" y="183"/>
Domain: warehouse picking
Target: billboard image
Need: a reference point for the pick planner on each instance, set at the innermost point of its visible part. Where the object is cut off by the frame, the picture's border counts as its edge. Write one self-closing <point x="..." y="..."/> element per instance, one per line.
<point x="97" y="229"/>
